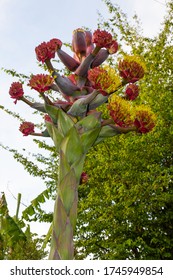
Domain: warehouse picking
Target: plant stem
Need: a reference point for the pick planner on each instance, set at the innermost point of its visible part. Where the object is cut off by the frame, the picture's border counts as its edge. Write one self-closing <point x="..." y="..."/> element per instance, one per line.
<point x="65" y="210"/>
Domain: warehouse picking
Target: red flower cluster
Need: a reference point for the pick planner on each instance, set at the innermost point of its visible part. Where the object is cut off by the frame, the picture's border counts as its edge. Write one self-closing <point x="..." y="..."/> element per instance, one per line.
<point x="130" y="70"/>
<point x="145" y="120"/>
<point x="16" y="91"/>
<point x="99" y="78"/>
<point x="27" y="128"/>
<point x="132" y="91"/>
<point x="102" y="38"/>
<point x="41" y="82"/>
<point x="84" y="178"/>
<point x="46" y="51"/>
<point x="120" y="111"/>
<point x="47" y="118"/>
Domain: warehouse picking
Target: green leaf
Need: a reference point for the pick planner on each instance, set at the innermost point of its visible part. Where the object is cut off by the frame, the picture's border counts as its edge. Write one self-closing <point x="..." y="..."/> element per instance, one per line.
<point x="64" y="123"/>
<point x="98" y="100"/>
<point x="52" y="111"/>
<point x="68" y="190"/>
<point x="105" y="132"/>
<point x="78" y="108"/>
<point x="64" y="167"/>
<point x="11" y="228"/>
<point x="45" y="133"/>
<point x="39" y="199"/>
<point x="56" y="136"/>
<point x="90" y="122"/>
<point x="3" y="205"/>
<point x="29" y="211"/>
<point x="71" y="146"/>
<point x="89" y="137"/>
<point x="78" y="166"/>
<point x="47" y="238"/>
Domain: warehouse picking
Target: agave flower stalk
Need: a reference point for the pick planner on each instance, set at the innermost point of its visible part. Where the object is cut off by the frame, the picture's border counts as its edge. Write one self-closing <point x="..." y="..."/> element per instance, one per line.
<point x="75" y="124"/>
<point x="72" y="141"/>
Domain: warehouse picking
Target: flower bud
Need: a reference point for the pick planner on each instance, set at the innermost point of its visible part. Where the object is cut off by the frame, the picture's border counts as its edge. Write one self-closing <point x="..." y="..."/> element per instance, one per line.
<point x="81" y="105"/>
<point x="41" y="82"/>
<point x="89" y="49"/>
<point x="132" y="91"/>
<point x="67" y="60"/>
<point x="88" y="38"/>
<point x="100" y="58"/>
<point x="16" y="91"/>
<point x="73" y="78"/>
<point x="90" y="45"/>
<point x="83" y="68"/>
<point x="84" y="178"/>
<point x="97" y="101"/>
<point x="65" y="105"/>
<point x="47" y="118"/>
<point x="65" y="85"/>
<point x="27" y="128"/>
<point x="79" y="43"/>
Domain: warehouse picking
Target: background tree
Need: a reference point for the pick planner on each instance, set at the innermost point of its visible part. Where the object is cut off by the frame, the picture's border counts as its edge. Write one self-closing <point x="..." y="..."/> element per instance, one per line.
<point x="126" y="208"/>
<point x="16" y="240"/>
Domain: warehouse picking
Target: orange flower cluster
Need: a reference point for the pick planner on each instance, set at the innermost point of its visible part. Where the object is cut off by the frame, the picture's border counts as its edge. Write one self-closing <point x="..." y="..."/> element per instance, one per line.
<point x="131" y="69"/>
<point x="145" y="119"/>
<point x="120" y="111"/>
<point x="41" y="82"/>
<point x="132" y="91"/>
<point x="99" y="78"/>
<point x="104" y="79"/>
<point x="125" y="115"/>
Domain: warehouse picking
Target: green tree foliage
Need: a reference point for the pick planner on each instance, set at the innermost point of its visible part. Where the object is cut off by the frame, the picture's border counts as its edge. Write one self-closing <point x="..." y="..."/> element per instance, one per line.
<point x="126" y="209"/>
<point x="126" y="212"/>
<point x="16" y="240"/>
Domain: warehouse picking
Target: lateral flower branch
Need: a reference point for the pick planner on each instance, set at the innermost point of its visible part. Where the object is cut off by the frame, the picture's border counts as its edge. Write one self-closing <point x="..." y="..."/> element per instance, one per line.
<point x="74" y="122"/>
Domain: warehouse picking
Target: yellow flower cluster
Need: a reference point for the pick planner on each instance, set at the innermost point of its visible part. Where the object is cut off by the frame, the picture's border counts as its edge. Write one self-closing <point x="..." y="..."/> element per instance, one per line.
<point x="104" y="79"/>
<point x="131" y="68"/>
<point x="145" y="119"/>
<point x="125" y="114"/>
<point x="114" y="79"/>
<point x="121" y="111"/>
<point x="137" y="59"/>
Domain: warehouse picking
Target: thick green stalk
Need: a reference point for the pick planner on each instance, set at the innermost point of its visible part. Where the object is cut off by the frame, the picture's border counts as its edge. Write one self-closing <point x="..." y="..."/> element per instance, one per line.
<point x="65" y="210"/>
<point x="72" y="140"/>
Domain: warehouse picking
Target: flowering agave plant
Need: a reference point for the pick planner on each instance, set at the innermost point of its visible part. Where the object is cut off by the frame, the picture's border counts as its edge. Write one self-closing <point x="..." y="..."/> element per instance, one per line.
<point x="73" y="121"/>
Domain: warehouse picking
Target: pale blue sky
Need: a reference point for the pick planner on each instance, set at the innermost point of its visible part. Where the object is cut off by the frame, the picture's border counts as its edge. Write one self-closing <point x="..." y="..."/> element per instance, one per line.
<point x="23" y="25"/>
